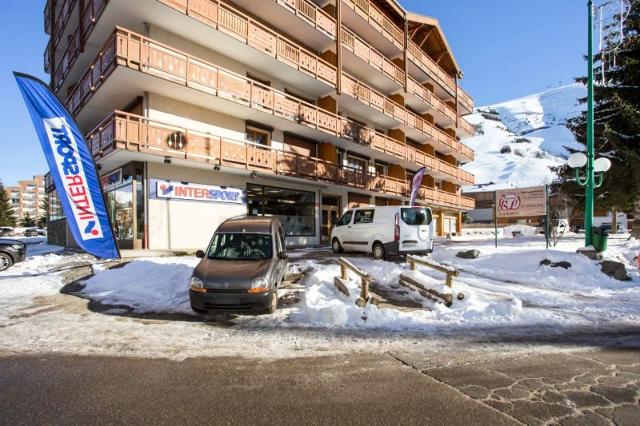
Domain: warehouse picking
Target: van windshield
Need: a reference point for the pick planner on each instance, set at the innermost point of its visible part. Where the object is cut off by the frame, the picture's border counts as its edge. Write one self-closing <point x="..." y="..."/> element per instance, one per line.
<point x="416" y="216"/>
<point x="240" y="246"/>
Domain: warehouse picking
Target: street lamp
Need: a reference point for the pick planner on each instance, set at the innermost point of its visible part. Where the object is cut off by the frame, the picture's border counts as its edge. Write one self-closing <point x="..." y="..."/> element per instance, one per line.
<point x="601" y="165"/>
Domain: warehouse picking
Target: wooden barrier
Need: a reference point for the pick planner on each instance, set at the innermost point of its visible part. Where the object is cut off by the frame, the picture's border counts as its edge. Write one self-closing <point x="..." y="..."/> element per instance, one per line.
<point x="365" y="280"/>
<point x="445" y="297"/>
<point x="450" y="271"/>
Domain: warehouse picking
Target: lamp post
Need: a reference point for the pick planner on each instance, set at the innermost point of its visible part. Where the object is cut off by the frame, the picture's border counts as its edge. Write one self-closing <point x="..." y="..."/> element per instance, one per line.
<point x="593" y="178"/>
<point x="589" y="181"/>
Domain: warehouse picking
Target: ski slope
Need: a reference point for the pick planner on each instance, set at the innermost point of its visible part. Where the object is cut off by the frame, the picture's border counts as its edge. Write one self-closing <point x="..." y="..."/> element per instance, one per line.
<point x="518" y="142"/>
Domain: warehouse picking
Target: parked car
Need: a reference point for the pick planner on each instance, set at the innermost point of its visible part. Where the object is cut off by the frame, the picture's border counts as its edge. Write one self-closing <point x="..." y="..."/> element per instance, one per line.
<point x="385" y="231"/>
<point x="6" y="231"/>
<point x="242" y="268"/>
<point x="31" y="233"/>
<point x="11" y="252"/>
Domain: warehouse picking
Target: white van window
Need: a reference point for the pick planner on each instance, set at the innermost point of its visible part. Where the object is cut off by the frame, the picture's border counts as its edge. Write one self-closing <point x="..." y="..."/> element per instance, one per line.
<point x="363" y="216"/>
<point x="416" y="216"/>
<point x="345" y="219"/>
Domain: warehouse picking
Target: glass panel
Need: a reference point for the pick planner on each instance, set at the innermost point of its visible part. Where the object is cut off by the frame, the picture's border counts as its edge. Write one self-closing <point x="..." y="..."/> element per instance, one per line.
<point x="345" y="219"/>
<point x="295" y="209"/>
<point x="416" y="216"/>
<point x="139" y="210"/>
<point x="241" y="247"/>
<point x="120" y="204"/>
<point x="364" y="216"/>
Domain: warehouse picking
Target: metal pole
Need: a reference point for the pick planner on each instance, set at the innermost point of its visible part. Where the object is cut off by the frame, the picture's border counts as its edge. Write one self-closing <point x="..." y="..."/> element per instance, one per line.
<point x="547" y="227"/>
<point x="495" y="216"/>
<point x="589" y="188"/>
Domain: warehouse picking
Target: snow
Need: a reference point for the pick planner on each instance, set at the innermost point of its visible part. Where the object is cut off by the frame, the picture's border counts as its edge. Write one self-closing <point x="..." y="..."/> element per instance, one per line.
<point x="143" y="307"/>
<point x="533" y="128"/>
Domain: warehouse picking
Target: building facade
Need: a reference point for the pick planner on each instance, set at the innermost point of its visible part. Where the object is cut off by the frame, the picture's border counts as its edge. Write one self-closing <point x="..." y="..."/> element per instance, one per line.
<point x="27" y="198"/>
<point x="199" y="110"/>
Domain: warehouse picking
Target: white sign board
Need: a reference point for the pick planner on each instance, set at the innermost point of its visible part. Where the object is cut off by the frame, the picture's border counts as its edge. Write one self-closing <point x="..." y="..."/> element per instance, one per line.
<point x="198" y="192"/>
<point x="523" y="202"/>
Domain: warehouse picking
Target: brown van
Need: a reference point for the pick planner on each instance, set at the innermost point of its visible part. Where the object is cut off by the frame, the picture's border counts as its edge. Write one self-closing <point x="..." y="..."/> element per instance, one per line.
<point x="242" y="268"/>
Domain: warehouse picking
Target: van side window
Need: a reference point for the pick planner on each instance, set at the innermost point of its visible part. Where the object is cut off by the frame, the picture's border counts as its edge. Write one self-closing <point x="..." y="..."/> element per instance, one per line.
<point x="363" y="216"/>
<point x="345" y="219"/>
<point x="279" y="242"/>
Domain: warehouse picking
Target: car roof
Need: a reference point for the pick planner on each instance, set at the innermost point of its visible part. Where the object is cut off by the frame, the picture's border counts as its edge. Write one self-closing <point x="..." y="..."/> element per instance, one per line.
<point x="249" y="225"/>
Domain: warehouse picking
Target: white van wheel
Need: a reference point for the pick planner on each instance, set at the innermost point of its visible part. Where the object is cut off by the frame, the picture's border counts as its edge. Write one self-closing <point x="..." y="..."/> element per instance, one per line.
<point x="378" y="251"/>
<point x="335" y="246"/>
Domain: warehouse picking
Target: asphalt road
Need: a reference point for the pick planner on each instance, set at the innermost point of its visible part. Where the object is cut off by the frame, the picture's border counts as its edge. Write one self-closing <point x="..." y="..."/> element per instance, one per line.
<point x="580" y="388"/>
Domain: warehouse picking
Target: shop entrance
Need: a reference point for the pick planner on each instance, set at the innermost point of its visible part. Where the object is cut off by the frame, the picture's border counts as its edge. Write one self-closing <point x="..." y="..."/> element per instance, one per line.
<point x="125" y="202"/>
<point x="330" y="215"/>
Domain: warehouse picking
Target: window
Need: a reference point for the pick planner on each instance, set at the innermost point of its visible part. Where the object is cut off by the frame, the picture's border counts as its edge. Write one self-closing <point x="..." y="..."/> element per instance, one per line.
<point x="416" y="216"/>
<point x="241" y="247"/>
<point x="345" y="219"/>
<point x="295" y="209"/>
<point x="356" y="163"/>
<point x="363" y="216"/>
<point x="381" y="169"/>
<point x="258" y="136"/>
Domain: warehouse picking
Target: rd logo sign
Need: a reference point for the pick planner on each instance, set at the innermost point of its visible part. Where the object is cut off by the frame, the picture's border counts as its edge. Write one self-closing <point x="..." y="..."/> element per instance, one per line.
<point x="525" y="202"/>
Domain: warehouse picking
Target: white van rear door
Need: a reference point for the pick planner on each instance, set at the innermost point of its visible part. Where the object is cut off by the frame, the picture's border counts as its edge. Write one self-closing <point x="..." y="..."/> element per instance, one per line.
<point x="416" y="225"/>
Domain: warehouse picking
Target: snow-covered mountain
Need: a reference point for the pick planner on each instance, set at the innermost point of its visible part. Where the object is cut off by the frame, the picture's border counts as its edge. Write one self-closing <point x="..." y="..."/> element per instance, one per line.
<point x="518" y="141"/>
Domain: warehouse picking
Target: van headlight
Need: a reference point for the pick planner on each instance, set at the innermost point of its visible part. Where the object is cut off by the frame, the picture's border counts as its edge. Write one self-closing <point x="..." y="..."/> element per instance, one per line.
<point x="196" y="283"/>
<point x="259" y="285"/>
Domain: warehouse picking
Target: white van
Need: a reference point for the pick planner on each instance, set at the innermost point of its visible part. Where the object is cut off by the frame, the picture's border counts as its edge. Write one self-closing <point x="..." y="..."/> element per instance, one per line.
<point x="385" y="231"/>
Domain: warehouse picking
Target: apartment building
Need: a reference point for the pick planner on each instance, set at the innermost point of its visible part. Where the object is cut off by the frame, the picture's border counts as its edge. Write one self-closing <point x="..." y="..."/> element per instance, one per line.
<point x="199" y="110"/>
<point x="27" y="197"/>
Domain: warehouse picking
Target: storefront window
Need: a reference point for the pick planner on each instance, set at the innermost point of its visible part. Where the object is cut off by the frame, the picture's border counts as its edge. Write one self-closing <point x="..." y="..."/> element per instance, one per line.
<point x="120" y="202"/>
<point x="296" y="209"/>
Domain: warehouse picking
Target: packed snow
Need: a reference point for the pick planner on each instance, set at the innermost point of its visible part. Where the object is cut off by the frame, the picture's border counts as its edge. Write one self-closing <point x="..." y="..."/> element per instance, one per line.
<point x="519" y="142"/>
<point x="143" y="307"/>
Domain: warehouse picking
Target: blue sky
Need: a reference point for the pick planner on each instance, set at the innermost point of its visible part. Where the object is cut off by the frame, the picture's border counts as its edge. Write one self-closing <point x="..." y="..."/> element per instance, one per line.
<point x="507" y="49"/>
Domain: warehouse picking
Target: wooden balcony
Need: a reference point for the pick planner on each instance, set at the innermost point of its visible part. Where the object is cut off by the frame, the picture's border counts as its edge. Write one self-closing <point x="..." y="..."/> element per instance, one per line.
<point x="225" y="18"/>
<point x="63" y="13"/>
<point x="431" y="68"/>
<point x="310" y="12"/>
<point x="378" y="20"/>
<point x="365" y="52"/>
<point x="377" y="101"/>
<point x="123" y="131"/>
<point x="131" y="50"/>
<point x="465" y="101"/>
<point x="93" y="10"/>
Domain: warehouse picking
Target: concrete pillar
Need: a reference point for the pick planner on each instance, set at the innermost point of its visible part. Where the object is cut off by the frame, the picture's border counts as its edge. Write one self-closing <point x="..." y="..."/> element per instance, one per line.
<point x="440" y="224"/>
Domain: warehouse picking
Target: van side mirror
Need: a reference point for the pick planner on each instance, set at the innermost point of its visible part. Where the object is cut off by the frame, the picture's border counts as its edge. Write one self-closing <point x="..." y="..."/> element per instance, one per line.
<point x="200" y="254"/>
<point x="283" y="255"/>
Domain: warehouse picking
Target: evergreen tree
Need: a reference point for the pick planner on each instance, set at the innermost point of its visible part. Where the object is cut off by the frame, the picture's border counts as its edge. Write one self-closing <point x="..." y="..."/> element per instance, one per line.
<point x="7" y="217"/>
<point x="44" y="209"/>
<point x="617" y="121"/>
<point x="27" y="221"/>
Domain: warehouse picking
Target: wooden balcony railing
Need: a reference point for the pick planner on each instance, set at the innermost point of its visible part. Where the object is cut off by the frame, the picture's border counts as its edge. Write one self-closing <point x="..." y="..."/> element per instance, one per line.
<point x="466" y="126"/>
<point x="465" y="99"/>
<point x="430" y="98"/>
<point x="63" y="13"/>
<point x="378" y="20"/>
<point x="231" y="21"/>
<point x="125" y="48"/>
<point x="135" y="133"/>
<point x="313" y="14"/>
<point x="371" y="56"/>
<point x="424" y="61"/>
<point x="376" y="100"/>
<point x="93" y="10"/>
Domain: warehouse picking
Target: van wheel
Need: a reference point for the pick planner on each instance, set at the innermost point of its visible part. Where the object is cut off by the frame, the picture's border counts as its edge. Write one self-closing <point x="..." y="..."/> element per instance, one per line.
<point x="378" y="251"/>
<point x="273" y="306"/>
<point x="5" y="261"/>
<point x="335" y="246"/>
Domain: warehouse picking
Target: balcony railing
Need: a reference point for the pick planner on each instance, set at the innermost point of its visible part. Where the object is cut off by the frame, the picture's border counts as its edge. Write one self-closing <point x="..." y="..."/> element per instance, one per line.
<point x="466" y="126"/>
<point x="378" y="20"/>
<point x="465" y="99"/>
<point x="379" y="102"/>
<point x="135" y="133"/>
<point x="126" y="48"/>
<point x="61" y="19"/>
<point x="231" y="21"/>
<point x="371" y="56"/>
<point x="93" y="10"/>
<point x="424" y="61"/>
<point x="313" y="14"/>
